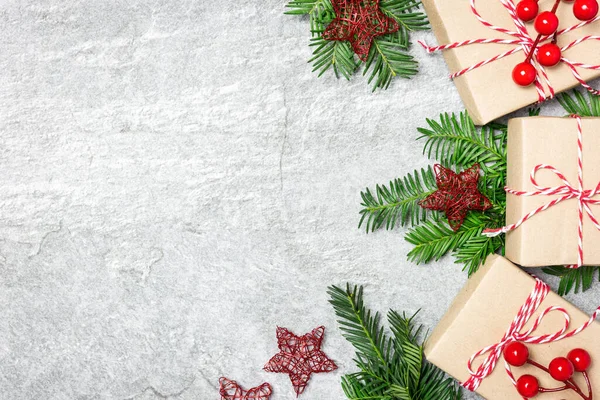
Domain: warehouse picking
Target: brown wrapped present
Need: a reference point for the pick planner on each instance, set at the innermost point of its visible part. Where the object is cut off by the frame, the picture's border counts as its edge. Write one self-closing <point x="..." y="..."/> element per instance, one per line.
<point x="488" y="91"/>
<point x="552" y="236"/>
<point x="482" y="315"/>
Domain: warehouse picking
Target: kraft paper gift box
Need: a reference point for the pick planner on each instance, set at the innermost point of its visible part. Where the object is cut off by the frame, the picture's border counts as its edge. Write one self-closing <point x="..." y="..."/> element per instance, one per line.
<point x="551" y="236"/>
<point x="489" y="92"/>
<point x="481" y="314"/>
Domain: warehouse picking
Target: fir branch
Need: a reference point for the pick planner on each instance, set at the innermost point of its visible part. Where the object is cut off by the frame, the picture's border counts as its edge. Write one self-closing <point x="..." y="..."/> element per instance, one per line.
<point x="586" y="106"/>
<point x="456" y="141"/>
<point x="338" y="55"/>
<point x="475" y="251"/>
<point x="573" y="279"/>
<point x="320" y="18"/>
<point x="303" y="7"/>
<point x="398" y="203"/>
<point x="358" y="386"/>
<point x="409" y="18"/>
<point x="391" y="368"/>
<point x="434" y="238"/>
<point x="388" y="59"/>
<point x="359" y="327"/>
<point x="407" y="351"/>
<point x="406" y="13"/>
<point x="431" y="390"/>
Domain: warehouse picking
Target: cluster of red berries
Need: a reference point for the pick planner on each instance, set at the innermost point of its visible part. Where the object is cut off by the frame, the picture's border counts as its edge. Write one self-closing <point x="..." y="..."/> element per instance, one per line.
<point x="561" y="369"/>
<point x="546" y="24"/>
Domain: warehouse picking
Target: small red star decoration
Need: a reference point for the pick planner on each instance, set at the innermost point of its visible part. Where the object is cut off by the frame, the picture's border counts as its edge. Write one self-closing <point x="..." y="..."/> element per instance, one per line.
<point x="359" y="21"/>
<point x="456" y="194"/>
<point x="230" y="390"/>
<point x="300" y="356"/>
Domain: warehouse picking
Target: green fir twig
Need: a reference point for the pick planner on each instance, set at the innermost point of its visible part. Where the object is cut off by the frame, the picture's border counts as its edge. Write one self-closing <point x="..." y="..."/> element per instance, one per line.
<point x="586" y="105"/>
<point x="573" y="279"/>
<point x="388" y="57"/>
<point x="397" y="203"/>
<point x="391" y="367"/>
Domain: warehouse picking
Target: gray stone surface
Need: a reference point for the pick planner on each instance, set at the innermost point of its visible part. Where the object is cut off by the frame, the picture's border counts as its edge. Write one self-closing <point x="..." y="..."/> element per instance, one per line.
<point x="176" y="183"/>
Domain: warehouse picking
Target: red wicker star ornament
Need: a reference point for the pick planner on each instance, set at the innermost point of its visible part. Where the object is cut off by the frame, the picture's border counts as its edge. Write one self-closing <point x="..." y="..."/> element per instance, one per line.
<point x="359" y="21"/>
<point x="300" y="356"/>
<point x="456" y="195"/>
<point x="230" y="390"/>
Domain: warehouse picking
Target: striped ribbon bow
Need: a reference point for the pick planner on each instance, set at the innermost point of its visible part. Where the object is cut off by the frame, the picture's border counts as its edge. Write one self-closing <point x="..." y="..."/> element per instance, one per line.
<point x="514" y="333"/>
<point x="524" y="43"/>
<point x="585" y="198"/>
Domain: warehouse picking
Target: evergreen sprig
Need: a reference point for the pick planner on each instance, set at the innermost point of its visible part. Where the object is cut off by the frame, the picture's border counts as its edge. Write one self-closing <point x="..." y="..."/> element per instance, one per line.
<point x="434" y="238"/>
<point x="336" y="55"/>
<point x="584" y="105"/>
<point x="388" y="57"/>
<point x="397" y="203"/>
<point x="391" y="367"/>
<point x="456" y="140"/>
<point x="573" y="279"/>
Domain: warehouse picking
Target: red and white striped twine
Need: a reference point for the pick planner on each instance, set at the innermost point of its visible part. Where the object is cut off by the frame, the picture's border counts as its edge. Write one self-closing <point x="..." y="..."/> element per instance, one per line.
<point x="514" y="333"/>
<point x="524" y="43"/>
<point x="566" y="192"/>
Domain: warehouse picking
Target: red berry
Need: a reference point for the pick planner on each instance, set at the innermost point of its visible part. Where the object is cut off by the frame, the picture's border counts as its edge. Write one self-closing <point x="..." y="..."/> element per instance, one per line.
<point x="547" y="22"/>
<point x="580" y="359"/>
<point x="561" y="369"/>
<point x="549" y="55"/>
<point x="528" y="386"/>
<point x="527" y="10"/>
<point x="516" y="354"/>
<point x="524" y="74"/>
<point x="585" y="10"/>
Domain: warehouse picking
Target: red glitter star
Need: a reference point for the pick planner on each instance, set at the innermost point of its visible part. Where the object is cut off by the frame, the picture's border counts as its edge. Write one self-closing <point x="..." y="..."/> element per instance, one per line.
<point x="230" y="390"/>
<point x="300" y="356"/>
<point x="456" y="194"/>
<point x="359" y="21"/>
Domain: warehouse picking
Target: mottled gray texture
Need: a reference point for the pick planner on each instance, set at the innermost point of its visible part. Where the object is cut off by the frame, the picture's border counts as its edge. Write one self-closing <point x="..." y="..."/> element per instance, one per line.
<point x="176" y="183"/>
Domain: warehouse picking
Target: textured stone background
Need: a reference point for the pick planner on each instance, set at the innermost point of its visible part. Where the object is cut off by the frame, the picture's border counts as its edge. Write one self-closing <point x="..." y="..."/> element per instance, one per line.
<point x="175" y="183"/>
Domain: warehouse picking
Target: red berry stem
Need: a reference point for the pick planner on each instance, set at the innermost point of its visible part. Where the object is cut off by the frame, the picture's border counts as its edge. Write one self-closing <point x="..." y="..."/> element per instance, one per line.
<point x="539" y="36"/>
<point x="555" y="6"/>
<point x="589" y="385"/>
<point x="569" y="384"/>
<point x="558" y="389"/>
<point x="535" y="44"/>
